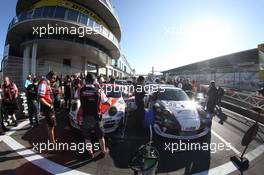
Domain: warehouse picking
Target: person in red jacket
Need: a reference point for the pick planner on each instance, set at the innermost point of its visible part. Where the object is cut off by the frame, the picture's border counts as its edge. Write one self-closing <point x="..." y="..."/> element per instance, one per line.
<point x="46" y="100"/>
<point x="9" y="99"/>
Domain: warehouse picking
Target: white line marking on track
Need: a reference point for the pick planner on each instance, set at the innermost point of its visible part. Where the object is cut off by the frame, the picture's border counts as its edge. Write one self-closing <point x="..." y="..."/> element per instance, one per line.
<point x="1" y="138"/>
<point x="40" y="161"/>
<point x="229" y="167"/>
<point x="226" y="142"/>
<point x="18" y="127"/>
<point x="224" y="169"/>
<point x="56" y="168"/>
<point x="255" y="153"/>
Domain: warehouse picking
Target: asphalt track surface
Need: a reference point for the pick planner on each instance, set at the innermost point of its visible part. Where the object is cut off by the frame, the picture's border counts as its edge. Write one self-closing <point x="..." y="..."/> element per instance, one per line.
<point x="17" y="155"/>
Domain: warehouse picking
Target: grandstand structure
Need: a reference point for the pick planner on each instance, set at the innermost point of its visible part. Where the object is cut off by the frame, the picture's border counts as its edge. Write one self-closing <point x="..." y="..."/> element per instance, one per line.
<point x="237" y="70"/>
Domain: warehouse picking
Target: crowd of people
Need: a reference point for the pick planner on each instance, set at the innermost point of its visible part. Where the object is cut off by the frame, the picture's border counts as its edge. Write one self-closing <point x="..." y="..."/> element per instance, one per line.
<point x="44" y="95"/>
<point x="212" y="94"/>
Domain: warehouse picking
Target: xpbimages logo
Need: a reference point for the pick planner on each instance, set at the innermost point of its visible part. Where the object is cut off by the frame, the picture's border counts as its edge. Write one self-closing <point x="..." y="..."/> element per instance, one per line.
<point x="187" y="146"/>
<point x="64" y="30"/>
<point x="80" y="147"/>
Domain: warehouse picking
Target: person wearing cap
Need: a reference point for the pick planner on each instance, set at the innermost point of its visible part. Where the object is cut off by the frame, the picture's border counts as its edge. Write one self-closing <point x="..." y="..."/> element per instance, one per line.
<point x="46" y="100"/>
<point x="32" y="99"/>
<point x="212" y="96"/>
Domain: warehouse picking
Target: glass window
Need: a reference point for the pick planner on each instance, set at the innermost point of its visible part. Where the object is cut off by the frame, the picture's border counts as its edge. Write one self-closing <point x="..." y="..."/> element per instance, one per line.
<point x="83" y="19"/>
<point x="173" y="94"/>
<point x="111" y="36"/>
<point x="91" y="22"/>
<point x="37" y="13"/>
<point x="51" y="11"/>
<point x="29" y="14"/>
<point x="73" y="15"/>
<point x="60" y="12"/>
<point x="45" y="12"/>
<point x="22" y="16"/>
<point x="48" y="12"/>
<point x="105" y="32"/>
<point x="97" y="27"/>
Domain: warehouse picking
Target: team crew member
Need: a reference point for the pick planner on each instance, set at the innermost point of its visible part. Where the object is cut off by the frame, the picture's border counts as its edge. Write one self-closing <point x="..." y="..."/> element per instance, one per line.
<point x="187" y="86"/>
<point x="212" y="96"/>
<point x="2" y="126"/>
<point x="9" y="101"/>
<point x="139" y="99"/>
<point x="28" y="81"/>
<point x="91" y="99"/>
<point x="220" y="94"/>
<point x="46" y="100"/>
<point x="56" y="91"/>
<point x="67" y="91"/>
<point x="3" y="129"/>
<point x="33" y="108"/>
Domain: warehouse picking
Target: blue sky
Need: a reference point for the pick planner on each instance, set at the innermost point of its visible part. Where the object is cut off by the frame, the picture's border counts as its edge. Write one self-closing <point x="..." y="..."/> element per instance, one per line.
<point x="170" y="33"/>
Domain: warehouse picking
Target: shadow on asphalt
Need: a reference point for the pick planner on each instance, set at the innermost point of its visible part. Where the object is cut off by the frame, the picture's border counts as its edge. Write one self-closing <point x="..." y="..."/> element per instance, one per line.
<point x="121" y="149"/>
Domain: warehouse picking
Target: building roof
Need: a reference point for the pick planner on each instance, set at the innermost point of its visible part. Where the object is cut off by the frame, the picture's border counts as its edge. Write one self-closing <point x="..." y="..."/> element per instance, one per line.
<point x="230" y="60"/>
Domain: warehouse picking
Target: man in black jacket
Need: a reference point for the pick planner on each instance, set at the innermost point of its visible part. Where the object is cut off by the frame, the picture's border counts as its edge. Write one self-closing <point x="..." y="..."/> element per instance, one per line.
<point x="212" y="97"/>
<point x="91" y="98"/>
<point x="3" y="129"/>
<point x="33" y="105"/>
<point x="139" y="99"/>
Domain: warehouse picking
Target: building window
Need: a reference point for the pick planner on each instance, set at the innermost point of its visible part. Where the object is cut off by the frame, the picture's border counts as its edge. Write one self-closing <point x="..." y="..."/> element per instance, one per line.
<point x="48" y="12"/>
<point x="105" y="32"/>
<point x="73" y="15"/>
<point x="22" y="16"/>
<point x="37" y="13"/>
<point x="83" y="19"/>
<point x="97" y="27"/>
<point x="60" y="12"/>
<point x="113" y="62"/>
<point x="29" y="14"/>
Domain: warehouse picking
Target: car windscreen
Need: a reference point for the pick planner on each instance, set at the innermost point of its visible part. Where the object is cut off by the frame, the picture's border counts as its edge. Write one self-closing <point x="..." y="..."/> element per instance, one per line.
<point x="112" y="91"/>
<point x="173" y="95"/>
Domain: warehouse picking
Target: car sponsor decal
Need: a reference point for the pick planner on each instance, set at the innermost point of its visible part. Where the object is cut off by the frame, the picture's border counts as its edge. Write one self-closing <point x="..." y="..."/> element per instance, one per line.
<point x="104" y="107"/>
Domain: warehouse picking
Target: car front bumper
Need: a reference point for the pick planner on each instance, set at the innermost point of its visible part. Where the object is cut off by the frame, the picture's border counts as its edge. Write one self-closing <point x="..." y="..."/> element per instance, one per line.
<point x="182" y="135"/>
<point x="110" y="124"/>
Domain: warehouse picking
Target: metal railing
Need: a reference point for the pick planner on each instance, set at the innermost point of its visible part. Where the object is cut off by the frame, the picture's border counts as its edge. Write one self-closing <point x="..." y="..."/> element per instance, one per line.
<point x="247" y="98"/>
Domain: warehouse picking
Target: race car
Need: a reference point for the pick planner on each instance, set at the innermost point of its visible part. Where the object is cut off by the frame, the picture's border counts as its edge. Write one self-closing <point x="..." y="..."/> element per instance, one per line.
<point x="176" y="116"/>
<point x="113" y="115"/>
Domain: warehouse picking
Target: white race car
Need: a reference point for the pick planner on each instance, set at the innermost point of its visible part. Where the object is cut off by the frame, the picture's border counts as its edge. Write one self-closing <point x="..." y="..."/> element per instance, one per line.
<point x="176" y="116"/>
<point x="113" y="115"/>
